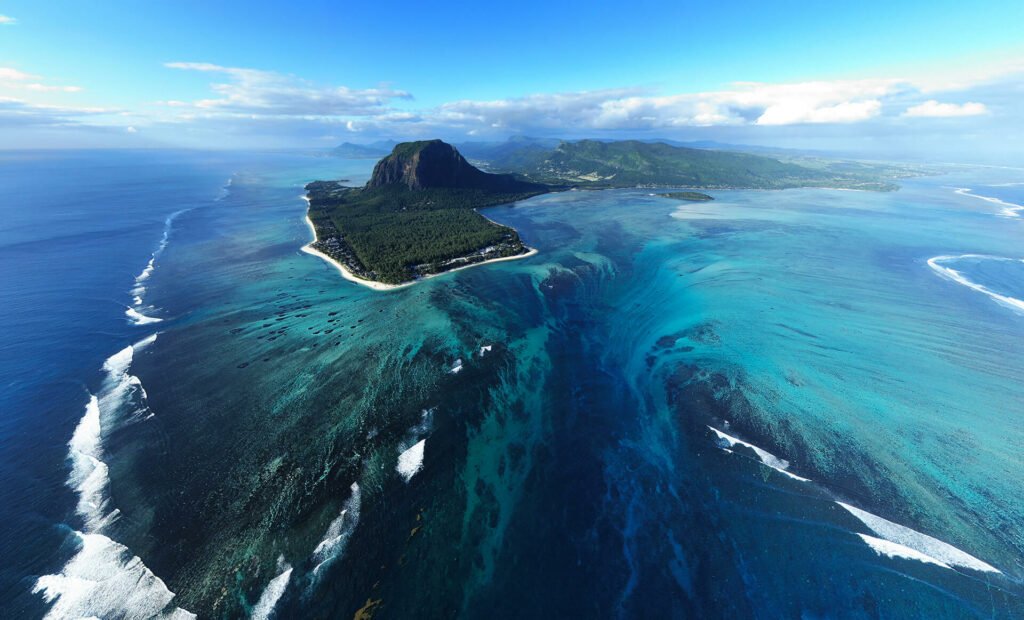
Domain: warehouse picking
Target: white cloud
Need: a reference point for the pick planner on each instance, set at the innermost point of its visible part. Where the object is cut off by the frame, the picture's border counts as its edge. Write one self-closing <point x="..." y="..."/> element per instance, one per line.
<point x="252" y="92"/>
<point x="9" y="74"/>
<point x="743" y="104"/>
<point x="18" y="112"/>
<point x="131" y="129"/>
<point x="201" y="66"/>
<point x="837" y="101"/>
<point x="935" y="109"/>
<point x="967" y="73"/>
<point x="790" y="113"/>
<point x="15" y="79"/>
<point x="273" y="104"/>
<point x="7" y="21"/>
<point x="253" y="105"/>
<point x="44" y="88"/>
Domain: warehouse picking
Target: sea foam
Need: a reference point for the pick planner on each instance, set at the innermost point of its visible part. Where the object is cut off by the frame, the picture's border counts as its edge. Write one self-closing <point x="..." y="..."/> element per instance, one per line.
<point x="919" y="544"/>
<point x="410" y="458"/>
<point x="88" y="472"/>
<point x="103" y="578"/>
<point x="891" y="539"/>
<point x="137" y="318"/>
<point x="1007" y="209"/>
<point x="769" y="459"/>
<point x="273" y="592"/>
<point x="895" y="550"/>
<point x="952" y="274"/>
<point x="138" y="291"/>
<point x="339" y="531"/>
<point x="410" y="462"/>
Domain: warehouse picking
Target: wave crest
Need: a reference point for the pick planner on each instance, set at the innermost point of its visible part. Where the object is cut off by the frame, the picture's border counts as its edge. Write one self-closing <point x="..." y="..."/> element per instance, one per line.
<point x="138" y="291"/>
<point x="952" y="274"/>
<point x="339" y="531"/>
<point x="1007" y="209"/>
<point x="103" y="578"/>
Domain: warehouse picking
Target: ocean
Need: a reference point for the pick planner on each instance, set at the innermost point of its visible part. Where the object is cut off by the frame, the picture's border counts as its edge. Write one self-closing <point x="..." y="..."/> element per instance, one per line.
<point x="799" y="403"/>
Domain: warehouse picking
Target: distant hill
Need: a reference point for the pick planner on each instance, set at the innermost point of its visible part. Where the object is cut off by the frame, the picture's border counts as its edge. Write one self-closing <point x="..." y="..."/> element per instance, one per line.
<point x="630" y="163"/>
<point x="416" y="216"/>
<point x="515" y="153"/>
<point x="375" y="150"/>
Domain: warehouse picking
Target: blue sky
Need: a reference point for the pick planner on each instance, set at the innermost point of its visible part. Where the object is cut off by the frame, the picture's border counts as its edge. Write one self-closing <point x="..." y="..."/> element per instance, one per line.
<point x="861" y="76"/>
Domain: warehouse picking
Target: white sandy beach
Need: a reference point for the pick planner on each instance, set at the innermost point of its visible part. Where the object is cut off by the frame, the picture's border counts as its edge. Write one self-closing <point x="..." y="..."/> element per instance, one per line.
<point x="345" y="273"/>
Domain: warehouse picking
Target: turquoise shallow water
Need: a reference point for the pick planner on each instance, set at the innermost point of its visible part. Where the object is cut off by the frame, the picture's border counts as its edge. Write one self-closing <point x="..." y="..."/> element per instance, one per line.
<point x="575" y="433"/>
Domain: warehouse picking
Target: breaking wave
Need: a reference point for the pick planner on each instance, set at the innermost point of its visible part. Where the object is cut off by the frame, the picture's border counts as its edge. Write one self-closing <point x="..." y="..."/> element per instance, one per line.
<point x="922" y="546"/>
<point x="138" y="291"/>
<point x="339" y="531"/>
<point x="890" y="539"/>
<point x="103" y="578"/>
<point x="137" y="318"/>
<point x="410" y="458"/>
<point x="273" y="592"/>
<point x="410" y="461"/>
<point x="936" y="263"/>
<point x="1006" y="209"/>
<point x="769" y="459"/>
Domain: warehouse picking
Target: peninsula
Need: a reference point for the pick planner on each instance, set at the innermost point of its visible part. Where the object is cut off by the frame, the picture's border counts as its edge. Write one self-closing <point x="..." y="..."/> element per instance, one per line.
<point x="416" y="217"/>
<point x="688" y="196"/>
<point x="596" y="164"/>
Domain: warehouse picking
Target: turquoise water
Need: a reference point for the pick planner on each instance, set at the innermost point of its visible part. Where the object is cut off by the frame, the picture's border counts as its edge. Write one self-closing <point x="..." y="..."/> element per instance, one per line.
<point x="574" y="433"/>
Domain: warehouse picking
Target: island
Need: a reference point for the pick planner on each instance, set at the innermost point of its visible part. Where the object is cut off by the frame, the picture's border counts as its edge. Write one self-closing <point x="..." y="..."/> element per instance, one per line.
<point x="416" y="217"/>
<point x="688" y="196"/>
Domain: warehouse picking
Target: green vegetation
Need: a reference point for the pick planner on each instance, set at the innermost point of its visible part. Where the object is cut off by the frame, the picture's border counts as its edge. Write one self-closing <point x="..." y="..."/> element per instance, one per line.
<point x="390" y="232"/>
<point x="688" y="196"/>
<point x="630" y="163"/>
<point x="515" y="154"/>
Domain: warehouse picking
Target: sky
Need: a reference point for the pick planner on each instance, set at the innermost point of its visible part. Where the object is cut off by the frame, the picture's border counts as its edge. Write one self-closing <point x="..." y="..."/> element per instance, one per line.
<point x="894" y="79"/>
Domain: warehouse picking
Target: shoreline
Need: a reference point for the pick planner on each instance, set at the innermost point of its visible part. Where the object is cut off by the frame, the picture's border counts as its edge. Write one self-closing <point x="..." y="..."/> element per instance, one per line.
<point x="345" y="273"/>
<point x="382" y="286"/>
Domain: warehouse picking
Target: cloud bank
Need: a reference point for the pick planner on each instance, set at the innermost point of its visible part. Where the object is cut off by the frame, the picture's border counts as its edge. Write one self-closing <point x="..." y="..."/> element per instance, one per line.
<point x="935" y="109"/>
<point x="14" y="79"/>
<point x="256" y="92"/>
<point x="255" y="107"/>
<point x="746" y="103"/>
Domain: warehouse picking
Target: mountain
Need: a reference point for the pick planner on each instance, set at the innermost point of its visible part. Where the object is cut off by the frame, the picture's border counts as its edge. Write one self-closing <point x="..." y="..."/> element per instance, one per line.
<point x="417" y="215"/>
<point x="375" y="150"/>
<point x="629" y="163"/>
<point x="435" y="164"/>
<point x="516" y="152"/>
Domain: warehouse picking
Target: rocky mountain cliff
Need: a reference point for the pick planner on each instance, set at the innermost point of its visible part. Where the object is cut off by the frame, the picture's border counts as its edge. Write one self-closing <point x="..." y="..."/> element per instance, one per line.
<point x="430" y="164"/>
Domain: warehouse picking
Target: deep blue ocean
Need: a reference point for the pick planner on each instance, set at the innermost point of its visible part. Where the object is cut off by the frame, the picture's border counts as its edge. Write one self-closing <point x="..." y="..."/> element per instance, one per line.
<point x="780" y="404"/>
